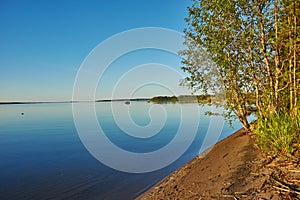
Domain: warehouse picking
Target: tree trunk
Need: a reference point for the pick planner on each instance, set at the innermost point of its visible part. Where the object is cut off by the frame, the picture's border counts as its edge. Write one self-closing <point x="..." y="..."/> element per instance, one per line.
<point x="295" y="54"/>
<point x="266" y="61"/>
<point x="245" y="123"/>
<point x="290" y="63"/>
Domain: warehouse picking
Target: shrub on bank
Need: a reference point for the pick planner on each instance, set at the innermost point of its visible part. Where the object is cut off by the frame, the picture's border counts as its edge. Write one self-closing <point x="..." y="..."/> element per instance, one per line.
<point x="279" y="133"/>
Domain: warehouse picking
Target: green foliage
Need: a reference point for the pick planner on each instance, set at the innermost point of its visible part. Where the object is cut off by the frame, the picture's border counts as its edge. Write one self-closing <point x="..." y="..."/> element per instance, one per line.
<point x="248" y="51"/>
<point x="278" y="133"/>
<point x="182" y="99"/>
<point x="164" y="99"/>
<point x="204" y="98"/>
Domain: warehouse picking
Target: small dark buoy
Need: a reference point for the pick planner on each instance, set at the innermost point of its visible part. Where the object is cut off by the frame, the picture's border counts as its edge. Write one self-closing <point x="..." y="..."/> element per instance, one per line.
<point x="22" y="113"/>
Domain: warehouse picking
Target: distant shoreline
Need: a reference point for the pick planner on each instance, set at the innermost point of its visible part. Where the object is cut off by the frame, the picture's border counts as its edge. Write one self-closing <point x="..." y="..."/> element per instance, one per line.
<point x="47" y="102"/>
<point x="155" y="99"/>
<point x="41" y="102"/>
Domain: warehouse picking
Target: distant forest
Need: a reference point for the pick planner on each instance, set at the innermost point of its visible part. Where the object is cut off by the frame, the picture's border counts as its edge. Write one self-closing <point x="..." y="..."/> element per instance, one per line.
<point x="182" y="99"/>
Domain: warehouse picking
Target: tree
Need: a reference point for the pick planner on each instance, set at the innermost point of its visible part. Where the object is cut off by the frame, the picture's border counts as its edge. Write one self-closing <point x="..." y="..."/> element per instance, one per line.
<point x="222" y="30"/>
<point x="245" y="48"/>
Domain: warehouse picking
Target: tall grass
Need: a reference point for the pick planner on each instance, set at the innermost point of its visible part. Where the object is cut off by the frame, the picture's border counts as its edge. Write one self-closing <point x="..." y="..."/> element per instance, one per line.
<point x="279" y="132"/>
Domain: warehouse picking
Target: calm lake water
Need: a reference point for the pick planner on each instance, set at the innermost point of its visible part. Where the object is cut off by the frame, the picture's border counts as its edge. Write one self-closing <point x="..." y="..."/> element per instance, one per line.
<point x="42" y="156"/>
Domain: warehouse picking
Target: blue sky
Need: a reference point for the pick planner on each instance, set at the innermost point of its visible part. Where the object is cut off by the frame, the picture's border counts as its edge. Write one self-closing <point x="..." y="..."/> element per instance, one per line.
<point x="43" y="43"/>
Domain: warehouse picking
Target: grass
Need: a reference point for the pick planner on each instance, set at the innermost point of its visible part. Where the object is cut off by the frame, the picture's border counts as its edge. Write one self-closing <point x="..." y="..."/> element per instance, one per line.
<point x="279" y="133"/>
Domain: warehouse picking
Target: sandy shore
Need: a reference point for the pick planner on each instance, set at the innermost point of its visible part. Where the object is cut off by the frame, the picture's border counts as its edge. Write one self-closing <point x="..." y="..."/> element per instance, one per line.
<point x="234" y="169"/>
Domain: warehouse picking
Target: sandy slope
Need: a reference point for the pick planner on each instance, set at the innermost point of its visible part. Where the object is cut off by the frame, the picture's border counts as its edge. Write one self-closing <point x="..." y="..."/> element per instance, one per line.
<point x="233" y="169"/>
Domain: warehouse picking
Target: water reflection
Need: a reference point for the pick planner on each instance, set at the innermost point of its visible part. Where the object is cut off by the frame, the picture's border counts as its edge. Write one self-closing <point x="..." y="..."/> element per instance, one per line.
<point x="42" y="156"/>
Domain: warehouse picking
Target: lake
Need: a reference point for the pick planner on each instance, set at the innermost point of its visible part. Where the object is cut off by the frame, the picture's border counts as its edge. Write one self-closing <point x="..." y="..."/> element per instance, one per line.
<point x="42" y="155"/>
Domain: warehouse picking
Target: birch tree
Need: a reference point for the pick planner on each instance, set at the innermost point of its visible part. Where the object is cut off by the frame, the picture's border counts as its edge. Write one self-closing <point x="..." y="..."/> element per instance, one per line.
<point x="254" y="47"/>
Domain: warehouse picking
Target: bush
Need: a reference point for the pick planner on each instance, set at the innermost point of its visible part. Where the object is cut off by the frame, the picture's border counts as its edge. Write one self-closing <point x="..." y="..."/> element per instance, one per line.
<point x="279" y="133"/>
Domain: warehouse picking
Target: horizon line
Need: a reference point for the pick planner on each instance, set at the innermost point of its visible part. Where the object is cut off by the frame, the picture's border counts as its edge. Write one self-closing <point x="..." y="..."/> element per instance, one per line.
<point x="71" y="101"/>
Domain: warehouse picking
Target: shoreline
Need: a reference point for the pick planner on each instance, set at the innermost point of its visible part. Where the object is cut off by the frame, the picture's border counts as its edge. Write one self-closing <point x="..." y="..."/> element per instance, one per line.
<point x="184" y="170"/>
<point x="234" y="168"/>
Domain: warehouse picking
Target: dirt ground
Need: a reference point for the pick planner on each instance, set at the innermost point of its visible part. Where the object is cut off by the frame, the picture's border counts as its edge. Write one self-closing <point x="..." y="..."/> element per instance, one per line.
<point x="234" y="169"/>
